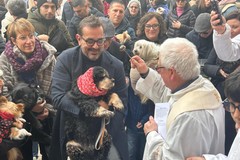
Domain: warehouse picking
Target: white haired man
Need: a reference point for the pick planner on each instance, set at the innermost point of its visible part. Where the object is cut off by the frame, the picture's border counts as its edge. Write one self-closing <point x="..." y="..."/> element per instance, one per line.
<point x="195" y="123"/>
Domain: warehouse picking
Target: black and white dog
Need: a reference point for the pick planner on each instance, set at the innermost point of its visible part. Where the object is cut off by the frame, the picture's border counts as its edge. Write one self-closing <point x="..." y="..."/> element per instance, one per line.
<point x="87" y="136"/>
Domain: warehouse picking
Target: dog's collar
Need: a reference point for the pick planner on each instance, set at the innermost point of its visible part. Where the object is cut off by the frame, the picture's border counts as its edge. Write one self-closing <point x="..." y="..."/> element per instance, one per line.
<point x="87" y="86"/>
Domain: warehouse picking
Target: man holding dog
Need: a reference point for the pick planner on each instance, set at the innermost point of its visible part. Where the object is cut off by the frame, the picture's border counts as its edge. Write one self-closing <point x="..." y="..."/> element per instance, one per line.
<point x="195" y="122"/>
<point x="75" y="62"/>
<point x="116" y="15"/>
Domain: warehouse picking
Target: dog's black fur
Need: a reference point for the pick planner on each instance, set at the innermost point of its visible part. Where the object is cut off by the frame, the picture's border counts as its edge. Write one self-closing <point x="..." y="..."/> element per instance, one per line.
<point x="30" y="95"/>
<point x="82" y="131"/>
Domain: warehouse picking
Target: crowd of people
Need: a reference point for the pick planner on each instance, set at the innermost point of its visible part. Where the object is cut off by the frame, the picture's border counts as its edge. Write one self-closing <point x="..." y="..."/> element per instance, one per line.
<point x="50" y="43"/>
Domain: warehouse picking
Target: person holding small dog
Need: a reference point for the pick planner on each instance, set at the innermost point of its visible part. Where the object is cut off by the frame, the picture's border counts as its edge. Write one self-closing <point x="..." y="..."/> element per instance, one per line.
<point x="6" y="144"/>
<point x="26" y="59"/>
<point x="159" y="6"/>
<point x="195" y="122"/>
<point x="116" y="15"/>
<point x="69" y="67"/>
<point x="112" y="46"/>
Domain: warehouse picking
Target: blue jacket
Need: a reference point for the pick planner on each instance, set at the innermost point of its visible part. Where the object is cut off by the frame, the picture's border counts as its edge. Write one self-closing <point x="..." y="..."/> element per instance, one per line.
<point x="138" y="112"/>
<point x="68" y="68"/>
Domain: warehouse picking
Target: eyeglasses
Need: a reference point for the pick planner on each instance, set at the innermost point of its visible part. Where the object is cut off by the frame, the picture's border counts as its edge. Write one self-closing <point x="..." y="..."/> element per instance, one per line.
<point x="153" y="26"/>
<point x="230" y="106"/>
<point x="91" y="42"/>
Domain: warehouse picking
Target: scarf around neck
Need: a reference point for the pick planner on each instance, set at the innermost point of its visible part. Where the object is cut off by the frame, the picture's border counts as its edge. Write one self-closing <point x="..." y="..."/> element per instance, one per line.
<point x="20" y="62"/>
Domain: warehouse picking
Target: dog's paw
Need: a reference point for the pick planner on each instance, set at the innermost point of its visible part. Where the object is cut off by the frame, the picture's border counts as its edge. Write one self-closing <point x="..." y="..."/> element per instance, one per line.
<point x="73" y="149"/>
<point x="102" y="112"/>
<point x="22" y="120"/>
<point x="116" y="102"/>
<point x="19" y="134"/>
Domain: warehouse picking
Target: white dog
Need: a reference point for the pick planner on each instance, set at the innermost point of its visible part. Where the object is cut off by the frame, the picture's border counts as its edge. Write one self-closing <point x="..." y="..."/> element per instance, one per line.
<point x="149" y="52"/>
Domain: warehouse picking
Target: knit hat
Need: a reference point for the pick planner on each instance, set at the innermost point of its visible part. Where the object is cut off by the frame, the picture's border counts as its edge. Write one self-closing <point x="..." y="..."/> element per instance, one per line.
<point x="41" y="2"/>
<point x="87" y="86"/>
<point x="202" y="23"/>
<point x="108" y="27"/>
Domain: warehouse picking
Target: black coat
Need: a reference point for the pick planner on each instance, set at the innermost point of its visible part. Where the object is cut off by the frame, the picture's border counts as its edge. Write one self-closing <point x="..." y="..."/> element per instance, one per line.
<point x="68" y="67"/>
<point x="204" y="45"/>
<point x="213" y="65"/>
<point x="187" y="20"/>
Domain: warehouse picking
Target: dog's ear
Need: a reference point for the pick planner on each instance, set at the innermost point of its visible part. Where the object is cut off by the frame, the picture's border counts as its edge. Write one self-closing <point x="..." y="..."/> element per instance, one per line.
<point x="3" y="99"/>
<point x="17" y="94"/>
<point x="20" y="107"/>
<point x="99" y="73"/>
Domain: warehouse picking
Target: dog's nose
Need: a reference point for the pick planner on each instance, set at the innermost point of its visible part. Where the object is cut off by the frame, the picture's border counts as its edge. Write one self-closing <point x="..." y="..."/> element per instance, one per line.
<point x="135" y="52"/>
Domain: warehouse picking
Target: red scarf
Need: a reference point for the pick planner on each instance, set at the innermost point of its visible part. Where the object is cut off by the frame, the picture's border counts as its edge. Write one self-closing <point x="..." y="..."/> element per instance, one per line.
<point x="87" y="86"/>
<point x="6" y="115"/>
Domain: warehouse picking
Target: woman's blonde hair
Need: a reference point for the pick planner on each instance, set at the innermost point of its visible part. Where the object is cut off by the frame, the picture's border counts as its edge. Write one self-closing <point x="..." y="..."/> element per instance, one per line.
<point x="19" y="26"/>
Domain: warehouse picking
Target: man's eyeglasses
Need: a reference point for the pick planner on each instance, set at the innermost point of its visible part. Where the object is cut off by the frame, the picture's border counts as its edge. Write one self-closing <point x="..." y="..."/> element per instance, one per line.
<point x="153" y="26"/>
<point x="91" y="42"/>
<point x="230" y="106"/>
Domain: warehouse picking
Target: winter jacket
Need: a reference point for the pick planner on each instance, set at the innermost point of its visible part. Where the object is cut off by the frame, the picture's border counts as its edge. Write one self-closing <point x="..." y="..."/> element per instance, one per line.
<point x="125" y="26"/>
<point x="137" y="112"/>
<point x="68" y="67"/>
<point x="49" y="27"/>
<point x="187" y="20"/>
<point x="204" y="45"/>
<point x="67" y="13"/>
<point x="133" y="20"/>
<point x="44" y="74"/>
<point x="213" y="65"/>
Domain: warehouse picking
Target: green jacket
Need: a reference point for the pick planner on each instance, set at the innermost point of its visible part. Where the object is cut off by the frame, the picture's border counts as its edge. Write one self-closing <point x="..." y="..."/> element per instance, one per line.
<point x="48" y="27"/>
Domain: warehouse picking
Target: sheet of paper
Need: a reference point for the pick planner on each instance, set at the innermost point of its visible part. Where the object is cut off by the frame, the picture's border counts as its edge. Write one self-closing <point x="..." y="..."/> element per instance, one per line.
<point x="160" y="116"/>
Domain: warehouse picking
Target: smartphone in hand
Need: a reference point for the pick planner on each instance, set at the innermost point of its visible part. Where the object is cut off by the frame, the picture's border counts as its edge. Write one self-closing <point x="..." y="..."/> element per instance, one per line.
<point x="215" y="8"/>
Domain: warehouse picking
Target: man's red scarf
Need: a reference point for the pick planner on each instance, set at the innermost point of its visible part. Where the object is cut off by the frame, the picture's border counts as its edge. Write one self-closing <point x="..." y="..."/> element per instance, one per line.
<point x="87" y="86"/>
